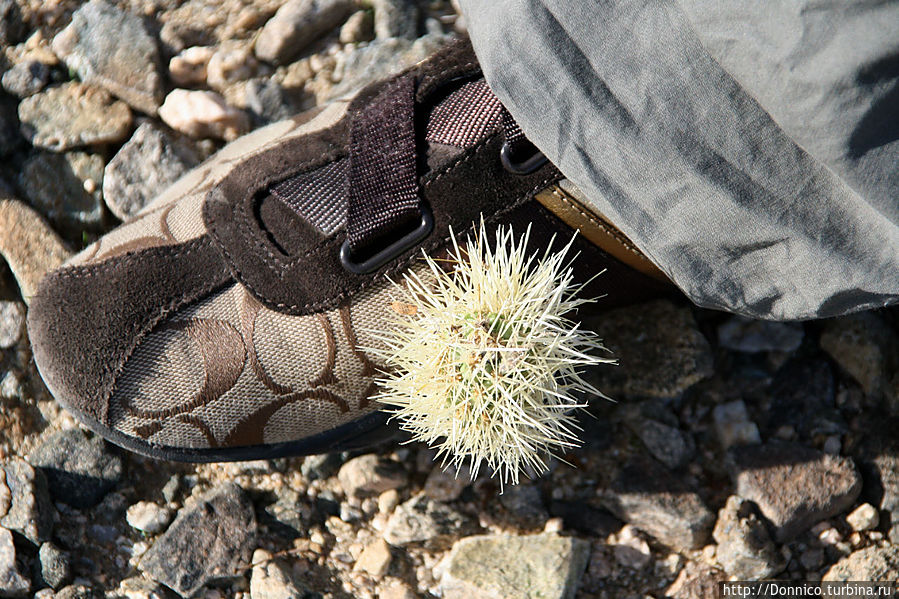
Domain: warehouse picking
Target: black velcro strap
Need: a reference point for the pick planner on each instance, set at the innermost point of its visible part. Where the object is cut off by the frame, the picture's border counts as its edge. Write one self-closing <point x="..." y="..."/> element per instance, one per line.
<point x="383" y="198"/>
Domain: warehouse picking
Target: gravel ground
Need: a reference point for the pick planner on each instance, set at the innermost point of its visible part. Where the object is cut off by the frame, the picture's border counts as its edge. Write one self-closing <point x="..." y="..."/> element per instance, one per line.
<point x="736" y="449"/>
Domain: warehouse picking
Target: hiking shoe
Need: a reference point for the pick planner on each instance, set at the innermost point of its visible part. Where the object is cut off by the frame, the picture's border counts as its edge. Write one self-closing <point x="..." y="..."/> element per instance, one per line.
<point x="226" y="321"/>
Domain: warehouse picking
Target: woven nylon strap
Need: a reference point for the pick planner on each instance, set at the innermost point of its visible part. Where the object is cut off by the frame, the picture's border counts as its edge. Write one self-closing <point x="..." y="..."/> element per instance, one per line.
<point x="383" y="180"/>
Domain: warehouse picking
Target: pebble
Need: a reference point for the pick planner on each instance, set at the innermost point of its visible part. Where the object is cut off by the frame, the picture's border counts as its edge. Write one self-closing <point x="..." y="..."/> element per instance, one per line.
<point x="12" y="27"/>
<point x="733" y="426"/>
<point x="668" y="444"/>
<point x="630" y="549"/>
<point x="203" y="113"/>
<point x="447" y="484"/>
<point x="29" y="246"/>
<point x="78" y="591"/>
<point x="53" y="567"/>
<point x="79" y="470"/>
<point x="66" y="188"/>
<point x="126" y="64"/>
<point x="145" y="166"/>
<point x="13" y="583"/>
<point x="660" y="504"/>
<point x="297" y="24"/>
<point x="269" y="101"/>
<point x="811" y="559"/>
<point x="229" y="64"/>
<point x="375" y="558"/>
<point x="871" y="563"/>
<point x="696" y="581"/>
<point x="794" y="486"/>
<point x="148" y="517"/>
<point x="370" y="473"/>
<point x="320" y="467"/>
<point x="189" y="67"/>
<point x="514" y="567"/>
<point x="358" y="28"/>
<point x="270" y="579"/>
<point x="421" y="519"/>
<point x="396" y="18"/>
<point x="388" y="500"/>
<point x="138" y="587"/>
<point x="25" y="501"/>
<point x="395" y="589"/>
<point x="11" y="388"/>
<point x="12" y="323"/>
<point x="209" y="540"/>
<point x="72" y="115"/>
<point x="742" y="334"/>
<point x="863" y="345"/>
<point x="26" y="78"/>
<point x="745" y="549"/>
<point x="660" y="350"/>
<point x="864" y="517"/>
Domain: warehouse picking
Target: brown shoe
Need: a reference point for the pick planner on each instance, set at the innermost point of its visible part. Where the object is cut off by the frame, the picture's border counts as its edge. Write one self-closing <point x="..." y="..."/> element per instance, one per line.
<point x="225" y="321"/>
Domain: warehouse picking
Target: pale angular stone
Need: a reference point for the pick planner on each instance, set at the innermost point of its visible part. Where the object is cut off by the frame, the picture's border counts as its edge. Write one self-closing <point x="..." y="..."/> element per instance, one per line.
<point x="203" y="114"/>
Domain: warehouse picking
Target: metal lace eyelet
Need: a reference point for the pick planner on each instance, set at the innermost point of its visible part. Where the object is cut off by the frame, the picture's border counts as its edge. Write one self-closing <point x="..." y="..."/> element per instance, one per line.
<point x="393" y="250"/>
<point x="522" y="167"/>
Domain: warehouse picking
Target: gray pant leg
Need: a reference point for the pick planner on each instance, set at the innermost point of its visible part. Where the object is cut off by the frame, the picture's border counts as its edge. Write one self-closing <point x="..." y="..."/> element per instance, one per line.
<point x="751" y="150"/>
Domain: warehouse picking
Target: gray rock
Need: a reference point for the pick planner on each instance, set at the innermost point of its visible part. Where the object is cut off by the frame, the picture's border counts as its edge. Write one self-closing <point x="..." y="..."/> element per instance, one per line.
<point x="660" y="350"/>
<point x="745" y="549"/>
<point x="660" y="504"/>
<point x="269" y="102"/>
<point x="12" y="323"/>
<point x="13" y="583"/>
<point x="12" y="27"/>
<point x="148" y="517"/>
<point x="318" y="467"/>
<point x="72" y="115"/>
<point x="515" y="567"/>
<point x="396" y="18"/>
<point x="79" y="470"/>
<point x="371" y="474"/>
<point x="289" y="516"/>
<point x="26" y="78"/>
<point x="871" y="563"/>
<point x="421" y="519"/>
<point x="27" y="510"/>
<point x="794" y="486"/>
<point x="745" y="335"/>
<point x="127" y="63"/>
<point x="668" y="444"/>
<point x="524" y="502"/>
<point x="447" y="484"/>
<point x="864" y="346"/>
<point x="52" y="567"/>
<point x="297" y="24"/>
<point x="66" y="187"/>
<point x="211" y="540"/>
<point x="146" y="165"/>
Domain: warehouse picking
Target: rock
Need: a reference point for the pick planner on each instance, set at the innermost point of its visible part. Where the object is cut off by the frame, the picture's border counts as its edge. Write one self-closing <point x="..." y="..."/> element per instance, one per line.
<point x="396" y="18"/>
<point x="269" y="102"/>
<point x="53" y="567"/>
<point x="138" y="587"/>
<point x="72" y="115"/>
<point x="374" y="559"/>
<point x="696" y="581"/>
<point x="203" y="114"/>
<point x="745" y="335"/>
<point x="864" y="346"/>
<point x="660" y="350"/>
<point x="794" y="486"/>
<point x="872" y="564"/>
<point x="12" y="27"/>
<point x="229" y="64"/>
<point x="745" y="549"/>
<point x="144" y="167"/>
<point x="395" y="589"/>
<point x="126" y="64"/>
<point x="585" y="518"/>
<point x="525" y="502"/>
<point x="733" y="426"/>
<point x="660" y="504"/>
<point x="189" y="67"/>
<point x="210" y="540"/>
<point x="27" y="509"/>
<point x="629" y="549"/>
<point x="422" y="519"/>
<point x="31" y="248"/>
<point x="358" y="28"/>
<point x="79" y="470"/>
<point x="26" y="78"/>
<point x="148" y="517"/>
<point x="447" y="484"/>
<point x="371" y="474"/>
<point x="318" y="467"/>
<point x="10" y="388"/>
<point x="297" y="24"/>
<point x="12" y="323"/>
<point x="13" y="583"/>
<point x="66" y="187"/>
<point x="514" y="567"/>
<point x="668" y="444"/>
<point x="271" y="580"/>
<point x="864" y="517"/>
<point x="78" y="591"/>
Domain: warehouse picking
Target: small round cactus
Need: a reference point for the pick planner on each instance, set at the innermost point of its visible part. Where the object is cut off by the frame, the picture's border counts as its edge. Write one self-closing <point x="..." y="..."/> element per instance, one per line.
<point x="482" y="362"/>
